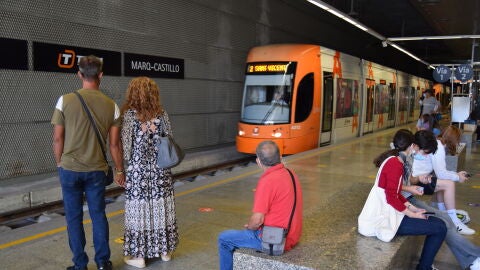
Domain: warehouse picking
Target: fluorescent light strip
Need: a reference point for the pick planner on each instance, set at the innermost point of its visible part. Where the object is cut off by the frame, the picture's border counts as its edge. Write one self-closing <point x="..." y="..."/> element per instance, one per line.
<point x="355" y="23"/>
<point x="433" y="37"/>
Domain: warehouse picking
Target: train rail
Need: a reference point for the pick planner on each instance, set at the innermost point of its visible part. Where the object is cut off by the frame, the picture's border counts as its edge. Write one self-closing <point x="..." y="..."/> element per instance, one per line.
<point x="30" y="215"/>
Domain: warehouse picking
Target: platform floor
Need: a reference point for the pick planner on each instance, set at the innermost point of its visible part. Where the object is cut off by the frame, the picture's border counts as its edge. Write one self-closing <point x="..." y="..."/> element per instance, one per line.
<point x="323" y="173"/>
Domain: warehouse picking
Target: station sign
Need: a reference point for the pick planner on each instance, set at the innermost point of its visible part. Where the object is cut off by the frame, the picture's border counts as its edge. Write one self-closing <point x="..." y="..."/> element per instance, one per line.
<point x="15" y="54"/>
<point x="442" y="74"/>
<point x="153" y="66"/>
<point x="464" y="73"/>
<point x="64" y="58"/>
<point x="277" y="67"/>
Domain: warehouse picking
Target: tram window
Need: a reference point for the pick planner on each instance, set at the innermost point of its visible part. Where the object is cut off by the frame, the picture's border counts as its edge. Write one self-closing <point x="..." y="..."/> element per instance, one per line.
<point x="304" y="98"/>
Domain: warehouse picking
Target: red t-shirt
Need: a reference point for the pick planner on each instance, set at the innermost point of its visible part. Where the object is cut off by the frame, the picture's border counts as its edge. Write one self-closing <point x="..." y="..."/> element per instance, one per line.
<point x="389" y="177"/>
<point x="274" y="198"/>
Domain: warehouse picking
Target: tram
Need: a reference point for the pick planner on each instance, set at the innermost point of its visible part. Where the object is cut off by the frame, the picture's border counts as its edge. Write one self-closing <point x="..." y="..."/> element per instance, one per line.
<point x="305" y="96"/>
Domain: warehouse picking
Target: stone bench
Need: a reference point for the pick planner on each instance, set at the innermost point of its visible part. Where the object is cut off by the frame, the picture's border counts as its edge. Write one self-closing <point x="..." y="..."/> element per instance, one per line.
<point x="330" y="240"/>
<point x="457" y="163"/>
<point x="468" y="137"/>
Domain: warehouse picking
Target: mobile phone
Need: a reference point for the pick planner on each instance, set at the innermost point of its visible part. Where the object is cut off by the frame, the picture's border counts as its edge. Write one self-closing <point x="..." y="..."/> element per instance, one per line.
<point x="467" y="175"/>
<point x="429" y="213"/>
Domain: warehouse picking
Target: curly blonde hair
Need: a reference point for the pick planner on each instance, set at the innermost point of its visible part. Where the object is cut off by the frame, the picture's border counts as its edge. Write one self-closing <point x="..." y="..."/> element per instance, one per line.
<point x="143" y="97"/>
<point x="450" y="137"/>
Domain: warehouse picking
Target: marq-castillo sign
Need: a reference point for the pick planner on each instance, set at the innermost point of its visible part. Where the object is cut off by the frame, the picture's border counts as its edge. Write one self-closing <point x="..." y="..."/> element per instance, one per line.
<point x="153" y="66"/>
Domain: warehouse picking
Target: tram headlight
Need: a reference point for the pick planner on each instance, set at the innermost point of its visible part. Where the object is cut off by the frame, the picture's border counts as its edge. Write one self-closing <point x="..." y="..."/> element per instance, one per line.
<point x="241" y="132"/>
<point x="277" y="133"/>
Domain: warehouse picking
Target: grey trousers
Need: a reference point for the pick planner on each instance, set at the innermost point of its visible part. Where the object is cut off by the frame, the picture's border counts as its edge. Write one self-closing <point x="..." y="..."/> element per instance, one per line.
<point x="464" y="250"/>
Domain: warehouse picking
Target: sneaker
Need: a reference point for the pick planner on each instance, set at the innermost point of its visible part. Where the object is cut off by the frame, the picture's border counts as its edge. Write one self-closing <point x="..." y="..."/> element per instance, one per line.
<point x="105" y="266"/>
<point x="434" y="268"/>
<point x="166" y="257"/>
<point x="463" y="229"/>
<point x="475" y="265"/>
<point x="139" y="263"/>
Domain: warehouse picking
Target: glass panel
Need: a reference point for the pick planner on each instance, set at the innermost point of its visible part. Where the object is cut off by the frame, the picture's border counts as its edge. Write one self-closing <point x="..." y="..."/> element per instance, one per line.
<point x="267" y="99"/>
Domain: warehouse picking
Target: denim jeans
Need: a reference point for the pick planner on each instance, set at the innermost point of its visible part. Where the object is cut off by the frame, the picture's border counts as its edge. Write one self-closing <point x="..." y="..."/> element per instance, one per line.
<point x="465" y="251"/>
<point x="74" y="185"/>
<point x="435" y="231"/>
<point x="230" y="240"/>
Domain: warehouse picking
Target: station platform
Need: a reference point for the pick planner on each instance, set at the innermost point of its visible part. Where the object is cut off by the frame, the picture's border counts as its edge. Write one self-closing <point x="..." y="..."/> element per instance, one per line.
<point x="333" y="178"/>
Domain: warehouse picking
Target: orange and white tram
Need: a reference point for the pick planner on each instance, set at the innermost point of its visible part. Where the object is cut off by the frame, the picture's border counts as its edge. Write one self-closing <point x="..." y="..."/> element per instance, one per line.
<point x="305" y="96"/>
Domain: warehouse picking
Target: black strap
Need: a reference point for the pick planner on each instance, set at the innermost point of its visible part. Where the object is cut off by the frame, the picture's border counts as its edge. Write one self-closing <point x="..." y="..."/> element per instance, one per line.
<point x="294" y="201"/>
<point x="99" y="138"/>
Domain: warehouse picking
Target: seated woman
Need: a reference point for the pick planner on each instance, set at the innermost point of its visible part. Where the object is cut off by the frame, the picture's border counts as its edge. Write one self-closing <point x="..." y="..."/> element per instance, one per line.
<point x="423" y="123"/>
<point x="414" y="221"/>
<point x="423" y="167"/>
<point x="466" y="253"/>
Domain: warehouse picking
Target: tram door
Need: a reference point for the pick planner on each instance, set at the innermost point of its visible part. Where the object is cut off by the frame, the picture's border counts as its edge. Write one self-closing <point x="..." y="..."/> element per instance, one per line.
<point x="327" y="118"/>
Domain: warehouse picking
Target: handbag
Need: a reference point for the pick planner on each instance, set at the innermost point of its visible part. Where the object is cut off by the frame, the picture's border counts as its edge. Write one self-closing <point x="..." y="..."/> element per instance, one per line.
<point x="273" y="238"/>
<point x="109" y="175"/>
<point x="378" y="218"/>
<point x="169" y="154"/>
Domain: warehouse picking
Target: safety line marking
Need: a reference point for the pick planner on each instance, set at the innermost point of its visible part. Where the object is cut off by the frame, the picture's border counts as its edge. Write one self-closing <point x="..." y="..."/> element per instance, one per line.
<point x="217" y="183"/>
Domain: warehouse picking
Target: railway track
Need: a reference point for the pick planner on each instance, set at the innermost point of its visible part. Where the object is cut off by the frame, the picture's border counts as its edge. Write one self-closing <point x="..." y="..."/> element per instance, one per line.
<point x="26" y="216"/>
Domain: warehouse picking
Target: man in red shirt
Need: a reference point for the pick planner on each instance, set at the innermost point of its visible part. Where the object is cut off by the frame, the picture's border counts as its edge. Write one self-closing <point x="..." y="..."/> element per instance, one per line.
<point x="273" y="203"/>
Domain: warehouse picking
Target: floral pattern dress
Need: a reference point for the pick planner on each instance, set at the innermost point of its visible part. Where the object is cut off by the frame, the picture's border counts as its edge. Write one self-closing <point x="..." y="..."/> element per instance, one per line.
<point x="150" y="219"/>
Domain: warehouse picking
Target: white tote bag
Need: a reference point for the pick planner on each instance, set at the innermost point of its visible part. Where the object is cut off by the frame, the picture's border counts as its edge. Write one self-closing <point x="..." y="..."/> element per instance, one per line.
<point x="378" y="218"/>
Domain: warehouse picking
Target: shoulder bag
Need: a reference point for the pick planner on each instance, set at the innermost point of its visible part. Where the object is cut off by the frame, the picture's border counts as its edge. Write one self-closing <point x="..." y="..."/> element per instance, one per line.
<point x="109" y="175"/>
<point x="378" y="218"/>
<point x="273" y="238"/>
<point x="169" y="154"/>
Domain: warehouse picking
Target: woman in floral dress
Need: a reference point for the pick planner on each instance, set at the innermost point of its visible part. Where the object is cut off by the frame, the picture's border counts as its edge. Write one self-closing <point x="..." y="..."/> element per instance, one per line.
<point x="150" y="220"/>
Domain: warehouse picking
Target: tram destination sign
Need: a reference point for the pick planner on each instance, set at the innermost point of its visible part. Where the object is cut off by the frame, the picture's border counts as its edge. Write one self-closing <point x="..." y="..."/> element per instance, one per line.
<point x="464" y="73"/>
<point x="442" y="74"/>
<point x="271" y="67"/>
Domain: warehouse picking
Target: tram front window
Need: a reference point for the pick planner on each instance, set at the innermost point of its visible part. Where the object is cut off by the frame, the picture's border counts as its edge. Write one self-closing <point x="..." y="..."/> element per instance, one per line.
<point x="267" y="99"/>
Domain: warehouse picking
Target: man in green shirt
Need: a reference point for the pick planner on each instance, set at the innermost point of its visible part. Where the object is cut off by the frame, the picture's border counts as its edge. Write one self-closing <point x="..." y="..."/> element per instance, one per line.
<point x="81" y="165"/>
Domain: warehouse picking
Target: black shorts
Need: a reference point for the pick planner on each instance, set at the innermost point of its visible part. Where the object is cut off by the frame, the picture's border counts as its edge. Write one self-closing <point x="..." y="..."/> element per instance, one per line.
<point x="429" y="189"/>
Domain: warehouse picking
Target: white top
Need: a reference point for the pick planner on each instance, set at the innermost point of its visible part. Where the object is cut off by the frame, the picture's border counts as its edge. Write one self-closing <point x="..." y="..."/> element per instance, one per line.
<point x="430" y="105"/>
<point x="434" y="162"/>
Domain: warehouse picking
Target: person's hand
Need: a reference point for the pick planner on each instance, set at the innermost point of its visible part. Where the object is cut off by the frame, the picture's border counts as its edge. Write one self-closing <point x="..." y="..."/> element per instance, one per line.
<point x="425" y="179"/>
<point x="119" y="179"/>
<point x="417" y="214"/>
<point x="415" y="190"/>
<point x="462" y="176"/>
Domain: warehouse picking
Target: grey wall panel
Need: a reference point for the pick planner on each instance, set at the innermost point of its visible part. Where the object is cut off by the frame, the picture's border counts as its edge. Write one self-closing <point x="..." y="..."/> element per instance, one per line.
<point x="212" y="36"/>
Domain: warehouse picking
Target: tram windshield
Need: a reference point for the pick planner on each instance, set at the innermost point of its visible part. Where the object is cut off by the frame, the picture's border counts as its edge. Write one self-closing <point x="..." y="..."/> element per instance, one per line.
<point x="267" y="99"/>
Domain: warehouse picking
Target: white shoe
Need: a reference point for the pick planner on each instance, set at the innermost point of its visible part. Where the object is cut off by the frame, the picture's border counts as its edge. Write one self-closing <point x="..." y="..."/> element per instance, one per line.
<point x="166" y="257"/>
<point x="139" y="263"/>
<point x="434" y="268"/>
<point x="475" y="265"/>
<point x="464" y="229"/>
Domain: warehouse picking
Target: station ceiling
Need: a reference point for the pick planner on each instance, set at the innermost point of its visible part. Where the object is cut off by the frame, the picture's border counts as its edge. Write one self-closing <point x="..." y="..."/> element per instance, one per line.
<point x="412" y="18"/>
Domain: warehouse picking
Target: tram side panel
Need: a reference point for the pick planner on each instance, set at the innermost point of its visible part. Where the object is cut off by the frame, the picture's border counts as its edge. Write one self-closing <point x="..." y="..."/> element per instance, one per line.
<point x="347" y="93"/>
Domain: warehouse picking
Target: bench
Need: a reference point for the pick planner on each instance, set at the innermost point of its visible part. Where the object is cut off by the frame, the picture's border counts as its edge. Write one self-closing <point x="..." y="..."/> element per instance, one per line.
<point x="468" y="137"/>
<point x="457" y="163"/>
<point x="330" y="240"/>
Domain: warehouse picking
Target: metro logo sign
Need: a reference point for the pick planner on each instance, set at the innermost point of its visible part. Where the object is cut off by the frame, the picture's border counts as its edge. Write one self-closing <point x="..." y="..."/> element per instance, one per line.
<point x="66" y="59"/>
<point x="63" y="58"/>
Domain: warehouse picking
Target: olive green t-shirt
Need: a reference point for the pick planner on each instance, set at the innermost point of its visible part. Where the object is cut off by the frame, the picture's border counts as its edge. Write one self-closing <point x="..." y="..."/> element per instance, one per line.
<point x="81" y="150"/>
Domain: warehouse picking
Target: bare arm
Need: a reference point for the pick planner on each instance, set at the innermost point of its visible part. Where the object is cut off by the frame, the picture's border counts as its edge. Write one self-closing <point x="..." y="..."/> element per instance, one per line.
<point x="256" y="220"/>
<point x="116" y="153"/>
<point x="58" y="142"/>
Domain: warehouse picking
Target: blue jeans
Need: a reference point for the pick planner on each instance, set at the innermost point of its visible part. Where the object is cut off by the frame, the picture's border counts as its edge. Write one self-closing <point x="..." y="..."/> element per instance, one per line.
<point x="435" y="231"/>
<point x="230" y="240"/>
<point x="465" y="251"/>
<point x="74" y="185"/>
